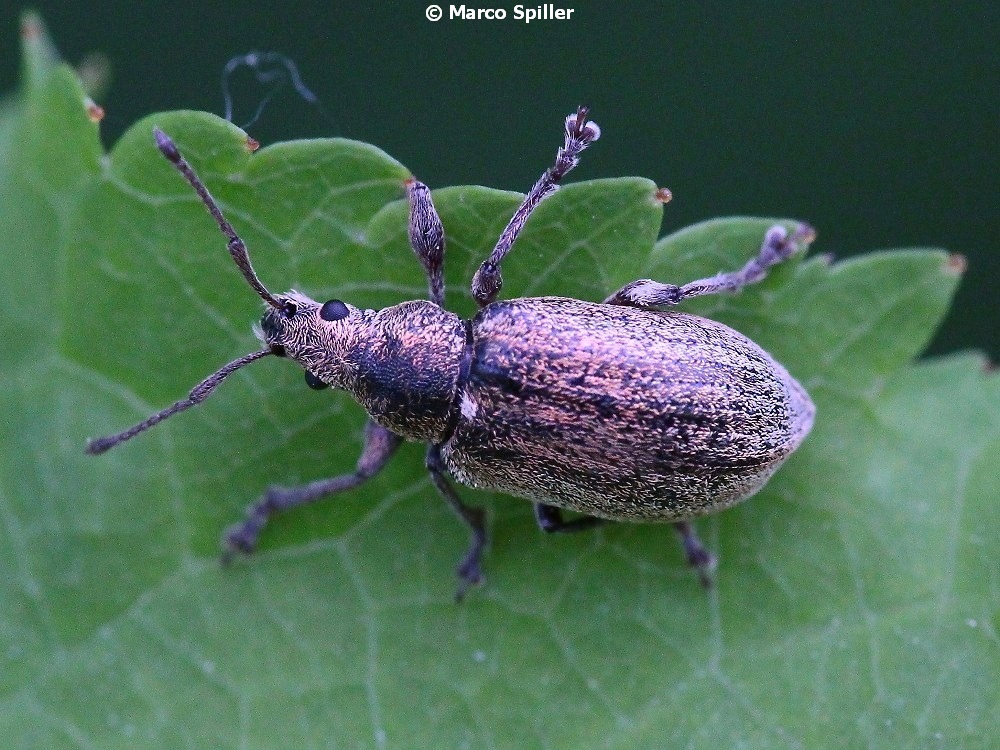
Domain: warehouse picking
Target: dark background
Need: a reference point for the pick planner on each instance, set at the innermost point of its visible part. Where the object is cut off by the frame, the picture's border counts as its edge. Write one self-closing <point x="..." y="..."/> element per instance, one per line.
<point x="879" y="125"/>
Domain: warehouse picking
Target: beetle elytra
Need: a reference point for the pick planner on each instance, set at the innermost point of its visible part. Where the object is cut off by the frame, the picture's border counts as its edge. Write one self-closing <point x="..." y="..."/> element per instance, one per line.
<point x="618" y="410"/>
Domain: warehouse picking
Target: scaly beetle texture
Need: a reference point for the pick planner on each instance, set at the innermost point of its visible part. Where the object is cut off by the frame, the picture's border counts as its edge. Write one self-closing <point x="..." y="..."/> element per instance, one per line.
<point x="620" y="410"/>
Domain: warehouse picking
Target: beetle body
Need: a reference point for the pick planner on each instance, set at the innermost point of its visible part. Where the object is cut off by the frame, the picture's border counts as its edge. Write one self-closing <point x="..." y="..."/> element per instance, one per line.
<point x="621" y="413"/>
<point x="618" y="412"/>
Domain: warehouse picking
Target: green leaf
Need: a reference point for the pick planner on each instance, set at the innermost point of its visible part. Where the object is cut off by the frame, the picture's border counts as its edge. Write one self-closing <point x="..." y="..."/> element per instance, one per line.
<point x="857" y="599"/>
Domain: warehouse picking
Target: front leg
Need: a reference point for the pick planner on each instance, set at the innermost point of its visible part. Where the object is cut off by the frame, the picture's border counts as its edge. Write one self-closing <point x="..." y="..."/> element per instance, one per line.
<point x="426" y="237"/>
<point x="380" y="445"/>
<point x="778" y="246"/>
<point x="470" y="570"/>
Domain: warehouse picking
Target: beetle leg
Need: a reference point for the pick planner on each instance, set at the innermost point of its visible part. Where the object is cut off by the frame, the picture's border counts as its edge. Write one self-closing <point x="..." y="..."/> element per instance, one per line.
<point x="550" y="520"/>
<point x="427" y="237"/>
<point x="698" y="556"/>
<point x="778" y="246"/>
<point x="579" y="133"/>
<point x="470" y="569"/>
<point x="380" y="444"/>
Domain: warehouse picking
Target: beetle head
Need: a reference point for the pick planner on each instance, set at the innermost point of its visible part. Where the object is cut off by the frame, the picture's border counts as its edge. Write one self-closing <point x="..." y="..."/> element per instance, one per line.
<point x="314" y="335"/>
<point x="317" y="336"/>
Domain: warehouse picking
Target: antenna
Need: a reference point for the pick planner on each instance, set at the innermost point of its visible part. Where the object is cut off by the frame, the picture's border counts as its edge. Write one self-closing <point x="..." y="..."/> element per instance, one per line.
<point x="236" y="246"/>
<point x="198" y="394"/>
<point x="239" y="252"/>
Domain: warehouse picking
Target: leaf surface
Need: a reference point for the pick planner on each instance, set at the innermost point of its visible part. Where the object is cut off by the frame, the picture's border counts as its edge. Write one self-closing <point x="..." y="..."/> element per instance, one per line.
<point x="857" y="598"/>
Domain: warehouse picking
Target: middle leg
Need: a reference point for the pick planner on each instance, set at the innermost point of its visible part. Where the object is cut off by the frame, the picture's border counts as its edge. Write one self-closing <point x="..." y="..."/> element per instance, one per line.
<point x="580" y="133"/>
<point x="470" y="571"/>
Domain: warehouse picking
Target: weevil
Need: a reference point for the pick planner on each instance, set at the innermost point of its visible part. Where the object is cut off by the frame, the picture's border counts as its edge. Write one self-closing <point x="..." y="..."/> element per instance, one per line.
<point x="618" y="410"/>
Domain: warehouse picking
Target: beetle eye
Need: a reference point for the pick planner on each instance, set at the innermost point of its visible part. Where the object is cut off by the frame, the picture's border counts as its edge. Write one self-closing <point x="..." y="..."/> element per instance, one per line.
<point x="315" y="383"/>
<point x="334" y="310"/>
<point x="289" y="308"/>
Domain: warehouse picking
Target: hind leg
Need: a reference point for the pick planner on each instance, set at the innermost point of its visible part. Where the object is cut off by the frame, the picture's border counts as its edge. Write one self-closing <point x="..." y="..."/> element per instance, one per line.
<point x="550" y="520"/>
<point x="697" y="554"/>
<point x="778" y="246"/>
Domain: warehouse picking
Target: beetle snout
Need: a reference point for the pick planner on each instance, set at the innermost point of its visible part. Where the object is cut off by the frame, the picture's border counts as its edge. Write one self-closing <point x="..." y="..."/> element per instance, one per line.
<point x="269" y="326"/>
